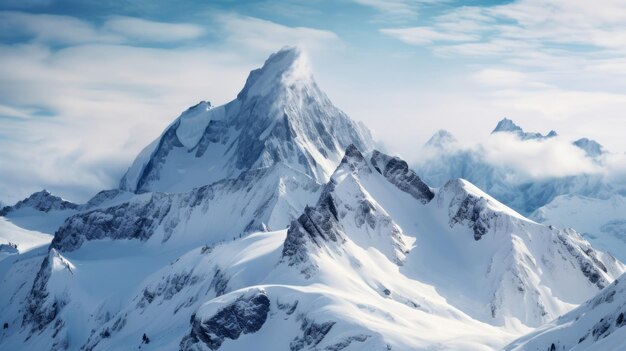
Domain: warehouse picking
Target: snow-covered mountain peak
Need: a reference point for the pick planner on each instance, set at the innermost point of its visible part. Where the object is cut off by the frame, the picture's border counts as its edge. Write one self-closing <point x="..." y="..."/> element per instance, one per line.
<point x="280" y="116"/>
<point x="288" y="67"/>
<point x="591" y="147"/>
<point x="506" y="125"/>
<point x="42" y="201"/>
<point x="352" y="161"/>
<point x="440" y="139"/>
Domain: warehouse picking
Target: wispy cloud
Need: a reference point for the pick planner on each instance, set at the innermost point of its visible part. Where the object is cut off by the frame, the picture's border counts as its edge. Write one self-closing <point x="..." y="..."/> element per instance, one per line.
<point x="533" y="160"/>
<point x="143" y="30"/>
<point x="522" y="161"/>
<point x="425" y="35"/>
<point x="264" y="35"/>
<point x="47" y="28"/>
<point x="518" y="29"/>
<point x="397" y="10"/>
<point x="68" y="30"/>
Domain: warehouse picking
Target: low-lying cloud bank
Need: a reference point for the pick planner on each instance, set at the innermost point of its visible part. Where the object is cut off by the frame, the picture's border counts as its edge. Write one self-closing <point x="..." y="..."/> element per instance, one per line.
<point x="522" y="161"/>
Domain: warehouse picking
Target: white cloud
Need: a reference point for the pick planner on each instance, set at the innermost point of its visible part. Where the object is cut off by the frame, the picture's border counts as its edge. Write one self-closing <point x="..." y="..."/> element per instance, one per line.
<point x="54" y="29"/>
<point x="68" y="30"/>
<point x="522" y="28"/>
<point x="15" y="112"/>
<point x="521" y="161"/>
<point x="533" y="159"/>
<point x="425" y="35"/>
<point x="393" y="8"/>
<point x="258" y="34"/>
<point x="501" y="77"/>
<point x="397" y="10"/>
<point x="143" y="30"/>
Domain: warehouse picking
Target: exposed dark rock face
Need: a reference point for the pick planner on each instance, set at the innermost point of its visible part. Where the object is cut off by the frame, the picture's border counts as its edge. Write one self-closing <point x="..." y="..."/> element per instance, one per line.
<point x="219" y="283"/>
<point x="473" y="213"/>
<point x="245" y="315"/>
<point x="347" y="341"/>
<point x="321" y="224"/>
<point x="168" y="287"/>
<point x="288" y="308"/>
<point x="168" y="142"/>
<point x="317" y="225"/>
<point x="131" y="220"/>
<point x="312" y="334"/>
<point x="42" y="309"/>
<point x="41" y="201"/>
<point x="589" y="264"/>
<point x="105" y="333"/>
<point x="399" y="174"/>
<point x="354" y="160"/>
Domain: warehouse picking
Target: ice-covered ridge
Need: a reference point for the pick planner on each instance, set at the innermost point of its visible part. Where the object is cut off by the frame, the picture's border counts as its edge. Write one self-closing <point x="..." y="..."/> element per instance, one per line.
<point x="288" y="67"/>
<point x="42" y="201"/>
<point x="194" y="121"/>
<point x="463" y="187"/>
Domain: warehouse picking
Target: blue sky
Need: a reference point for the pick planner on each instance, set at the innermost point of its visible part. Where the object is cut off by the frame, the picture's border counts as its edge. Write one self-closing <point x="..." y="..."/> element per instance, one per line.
<point x="84" y="85"/>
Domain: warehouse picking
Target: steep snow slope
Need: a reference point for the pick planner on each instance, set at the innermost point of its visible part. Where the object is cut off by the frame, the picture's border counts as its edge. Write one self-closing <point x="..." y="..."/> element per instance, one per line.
<point x="30" y="223"/>
<point x="597" y="325"/>
<point x="462" y="227"/>
<point x="601" y="221"/>
<point x="280" y="116"/>
<point x="14" y="239"/>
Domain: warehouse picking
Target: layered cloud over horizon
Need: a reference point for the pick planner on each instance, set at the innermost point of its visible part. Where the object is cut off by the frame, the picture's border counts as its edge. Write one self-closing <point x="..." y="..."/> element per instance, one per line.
<point x="529" y="160"/>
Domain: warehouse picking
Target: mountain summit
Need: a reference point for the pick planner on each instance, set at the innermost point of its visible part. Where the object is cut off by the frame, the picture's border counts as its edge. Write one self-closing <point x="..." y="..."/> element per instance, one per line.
<point x="280" y="116"/>
<point x="288" y="67"/>
<point x="508" y="126"/>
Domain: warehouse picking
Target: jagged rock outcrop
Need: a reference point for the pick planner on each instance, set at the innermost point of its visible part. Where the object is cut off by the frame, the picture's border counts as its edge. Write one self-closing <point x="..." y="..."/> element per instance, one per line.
<point x="212" y="325"/>
<point x="42" y="201"/>
<point x="346" y="209"/>
<point x="399" y="174"/>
